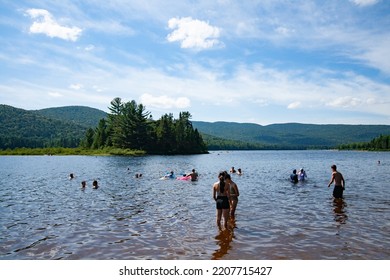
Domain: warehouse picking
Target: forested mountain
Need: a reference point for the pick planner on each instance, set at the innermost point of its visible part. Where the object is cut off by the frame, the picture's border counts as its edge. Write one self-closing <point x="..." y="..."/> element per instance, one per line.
<point x="85" y="116"/>
<point x="289" y="135"/>
<point x="22" y="128"/>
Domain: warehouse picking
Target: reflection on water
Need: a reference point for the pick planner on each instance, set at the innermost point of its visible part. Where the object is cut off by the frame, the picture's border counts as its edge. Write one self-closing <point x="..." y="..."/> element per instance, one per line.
<point x="340" y="214"/>
<point x="44" y="215"/>
<point x="223" y="240"/>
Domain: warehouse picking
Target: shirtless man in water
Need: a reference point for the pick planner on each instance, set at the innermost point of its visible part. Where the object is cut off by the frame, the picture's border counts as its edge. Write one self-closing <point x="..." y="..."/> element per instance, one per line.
<point x="339" y="183"/>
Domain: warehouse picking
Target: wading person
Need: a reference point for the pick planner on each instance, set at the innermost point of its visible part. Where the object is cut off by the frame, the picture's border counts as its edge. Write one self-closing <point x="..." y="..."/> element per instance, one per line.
<point x="221" y="197"/>
<point x="234" y="193"/>
<point x="339" y="183"/>
<point x="294" y="177"/>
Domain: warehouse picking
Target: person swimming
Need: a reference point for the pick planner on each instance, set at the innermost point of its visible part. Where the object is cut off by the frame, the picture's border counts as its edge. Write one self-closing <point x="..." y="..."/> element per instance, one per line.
<point x="95" y="184"/>
<point x="170" y="175"/>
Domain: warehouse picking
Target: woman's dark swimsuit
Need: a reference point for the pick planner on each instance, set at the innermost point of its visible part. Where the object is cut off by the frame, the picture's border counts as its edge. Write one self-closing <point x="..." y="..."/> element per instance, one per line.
<point x="222" y="202"/>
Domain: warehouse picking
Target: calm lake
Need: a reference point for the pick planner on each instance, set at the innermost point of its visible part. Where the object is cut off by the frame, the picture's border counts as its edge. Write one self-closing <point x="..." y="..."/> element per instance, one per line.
<point x="44" y="215"/>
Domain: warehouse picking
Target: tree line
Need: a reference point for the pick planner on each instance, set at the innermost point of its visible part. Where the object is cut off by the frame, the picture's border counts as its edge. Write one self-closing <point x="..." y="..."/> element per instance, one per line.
<point x="130" y="126"/>
<point x="380" y="143"/>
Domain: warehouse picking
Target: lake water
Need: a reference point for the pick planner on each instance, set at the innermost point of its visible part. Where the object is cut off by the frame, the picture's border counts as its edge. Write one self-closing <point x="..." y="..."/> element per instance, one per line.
<point x="44" y="215"/>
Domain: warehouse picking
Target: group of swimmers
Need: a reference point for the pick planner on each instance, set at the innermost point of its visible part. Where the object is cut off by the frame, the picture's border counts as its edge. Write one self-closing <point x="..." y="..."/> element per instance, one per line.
<point x="193" y="175"/>
<point x="238" y="172"/>
<point x="301" y="176"/>
<point x="95" y="184"/>
<point x="225" y="194"/>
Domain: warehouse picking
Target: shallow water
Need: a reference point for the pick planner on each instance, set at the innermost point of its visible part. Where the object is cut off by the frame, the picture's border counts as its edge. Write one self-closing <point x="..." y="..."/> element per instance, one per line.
<point x="44" y="215"/>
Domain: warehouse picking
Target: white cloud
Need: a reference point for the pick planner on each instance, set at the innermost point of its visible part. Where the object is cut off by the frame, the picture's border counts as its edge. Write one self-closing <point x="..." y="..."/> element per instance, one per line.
<point x="261" y="102"/>
<point x="89" y="48"/>
<point x="164" y="102"/>
<point x="345" y="102"/>
<point x="55" y="94"/>
<point x="193" y="33"/>
<point x="97" y="88"/>
<point x="363" y="3"/>
<point x="294" y="105"/>
<point x="284" y="31"/>
<point x="76" y="86"/>
<point x="45" y="23"/>
<point x="373" y="52"/>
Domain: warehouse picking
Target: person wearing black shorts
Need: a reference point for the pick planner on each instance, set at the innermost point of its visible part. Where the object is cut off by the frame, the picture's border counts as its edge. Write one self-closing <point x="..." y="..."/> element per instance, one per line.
<point x="339" y="183"/>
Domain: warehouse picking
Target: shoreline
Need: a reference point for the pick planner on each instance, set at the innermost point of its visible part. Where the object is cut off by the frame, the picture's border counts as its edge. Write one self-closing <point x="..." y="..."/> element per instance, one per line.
<point x="76" y="152"/>
<point x="70" y="152"/>
<point x="122" y="152"/>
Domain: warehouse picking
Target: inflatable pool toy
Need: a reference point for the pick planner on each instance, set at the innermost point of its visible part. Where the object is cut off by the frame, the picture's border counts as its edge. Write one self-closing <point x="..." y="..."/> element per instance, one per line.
<point x="184" y="178"/>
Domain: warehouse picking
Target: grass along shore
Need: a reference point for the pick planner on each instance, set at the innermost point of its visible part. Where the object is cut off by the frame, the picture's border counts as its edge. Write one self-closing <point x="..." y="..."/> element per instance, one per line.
<point x="71" y="151"/>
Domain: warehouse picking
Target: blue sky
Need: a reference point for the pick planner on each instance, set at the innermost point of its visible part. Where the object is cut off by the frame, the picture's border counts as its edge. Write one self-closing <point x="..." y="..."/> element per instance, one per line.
<point x="264" y="61"/>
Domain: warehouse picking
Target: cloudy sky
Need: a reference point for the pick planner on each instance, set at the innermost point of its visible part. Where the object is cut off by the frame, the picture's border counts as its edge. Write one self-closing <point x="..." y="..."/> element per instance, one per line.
<point x="259" y="61"/>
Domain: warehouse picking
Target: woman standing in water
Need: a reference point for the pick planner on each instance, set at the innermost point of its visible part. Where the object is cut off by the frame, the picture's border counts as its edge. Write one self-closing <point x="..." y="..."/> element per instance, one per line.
<point x="221" y="197"/>
<point x="234" y="193"/>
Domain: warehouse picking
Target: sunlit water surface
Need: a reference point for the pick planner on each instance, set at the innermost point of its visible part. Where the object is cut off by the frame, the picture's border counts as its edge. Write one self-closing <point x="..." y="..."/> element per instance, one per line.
<point x="44" y="215"/>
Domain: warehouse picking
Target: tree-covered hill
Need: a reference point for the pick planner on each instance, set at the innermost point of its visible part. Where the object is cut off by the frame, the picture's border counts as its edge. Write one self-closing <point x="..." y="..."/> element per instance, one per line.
<point x="85" y="116"/>
<point x="30" y="129"/>
<point x="291" y="135"/>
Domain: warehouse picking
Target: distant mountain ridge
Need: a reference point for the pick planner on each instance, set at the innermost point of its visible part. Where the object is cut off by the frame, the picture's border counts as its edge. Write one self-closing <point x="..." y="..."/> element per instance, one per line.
<point x="67" y="125"/>
<point x="293" y="135"/>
